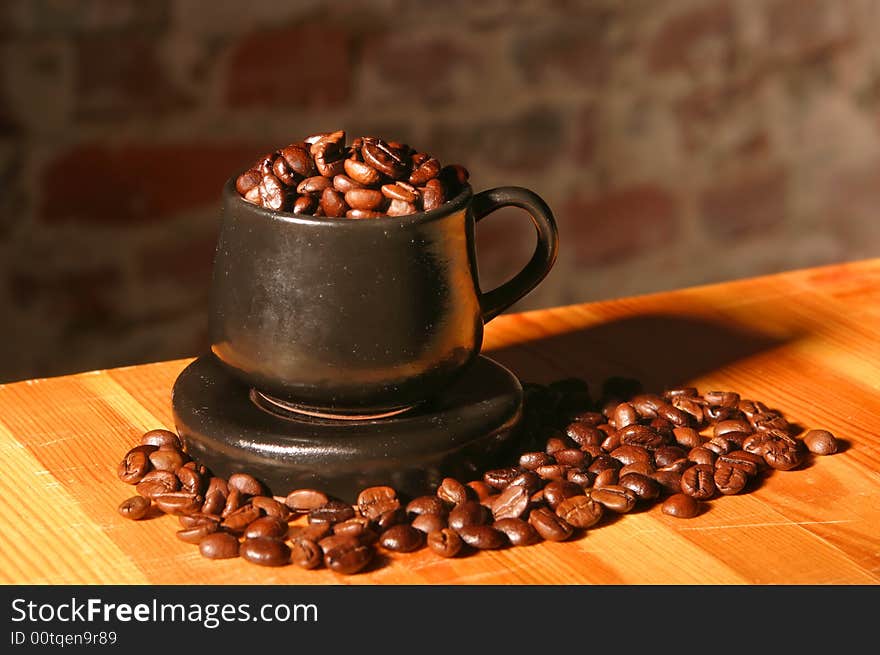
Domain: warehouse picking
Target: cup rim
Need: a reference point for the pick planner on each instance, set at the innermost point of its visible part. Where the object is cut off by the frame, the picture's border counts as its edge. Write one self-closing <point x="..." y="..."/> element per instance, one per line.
<point x="446" y="208"/>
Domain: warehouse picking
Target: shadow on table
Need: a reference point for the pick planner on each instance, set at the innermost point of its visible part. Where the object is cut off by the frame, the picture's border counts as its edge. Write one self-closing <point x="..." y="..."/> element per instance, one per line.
<point x="661" y="350"/>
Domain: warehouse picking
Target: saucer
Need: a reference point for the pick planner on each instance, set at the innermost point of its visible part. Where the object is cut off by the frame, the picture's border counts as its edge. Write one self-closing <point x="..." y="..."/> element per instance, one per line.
<point x="468" y="428"/>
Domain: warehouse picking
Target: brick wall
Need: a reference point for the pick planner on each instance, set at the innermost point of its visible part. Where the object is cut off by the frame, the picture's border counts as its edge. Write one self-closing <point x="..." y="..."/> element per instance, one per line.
<point x="678" y="142"/>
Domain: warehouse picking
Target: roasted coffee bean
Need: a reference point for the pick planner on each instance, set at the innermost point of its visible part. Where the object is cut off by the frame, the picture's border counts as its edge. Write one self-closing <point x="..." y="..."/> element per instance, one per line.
<point x="691" y="407"/>
<point x="234" y="501"/>
<point x="190" y="480"/>
<point x="552" y="471"/>
<point x="699" y="481"/>
<point x="719" y="445"/>
<point x="432" y="195"/>
<point x="603" y="462"/>
<point x="238" y="520"/>
<point x="674" y="415"/>
<point x="647" y="404"/>
<point x="384" y="159"/>
<point x="134" y="508"/>
<point x="722" y="398"/>
<point x="306" y="554"/>
<point x="391" y="517"/>
<point x="678" y="466"/>
<point x="729" y="480"/>
<point x="517" y="531"/>
<point x="348" y="557"/>
<point x="427" y="170"/>
<point x="666" y="455"/>
<point x="359" y="527"/>
<point x="364" y="199"/>
<point x="134" y="466"/>
<point x="530" y="480"/>
<point x="161" y="438"/>
<point x="782" y="456"/>
<point x="273" y="194"/>
<point x="426" y="505"/>
<point x="500" y="478"/>
<point x="580" y="478"/>
<point x="298" y="159"/>
<point x="196" y="519"/>
<point x="611" y="442"/>
<point x="246" y="484"/>
<point x="731" y="425"/>
<point x="429" y="523"/>
<point x="820" y="442"/>
<point x="452" y="491"/>
<point x="195" y="534"/>
<point x="580" y="511"/>
<point x="640" y="435"/>
<point x="313" y="185"/>
<point x="469" y="512"/>
<point x="605" y="477"/>
<point x="718" y="413"/>
<point x="305" y="500"/>
<point x="550" y="526"/>
<point x="333" y="511"/>
<point x="178" y="502"/>
<point x="584" y="434"/>
<point x="558" y="490"/>
<point x="555" y="444"/>
<point x="531" y="461"/>
<point x="687" y="437"/>
<point x="247" y="181"/>
<point x="642" y="468"/>
<point x="511" y="503"/>
<point x="401" y="208"/>
<point x="402" y="538"/>
<point x="344" y="184"/>
<point x="333" y="203"/>
<point x="749" y="463"/>
<point x="312" y="531"/>
<point x="573" y="457"/>
<point x="687" y="392"/>
<point x="400" y="191"/>
<point x="266" y="526"/>
<point x="332" y="540"/>
<point x="219" y="545"/>
<point x="615" y="497"/>
<point x="157" y="482"/>
<point x="445" y="542"/>
<point x="167" y="460"/>
<point x="361" y="173"/>
<point x="681" y="506"/>
<point x="641" y="485"/>
<point x="265" y="551"/>
<point x="482" y="537"/>
<point x="700" y="455"/>
<point x="271" y="507"/>
<point x="375" y="501"/>
<point x="625" y="415"/>
<point x="629" y="454"/>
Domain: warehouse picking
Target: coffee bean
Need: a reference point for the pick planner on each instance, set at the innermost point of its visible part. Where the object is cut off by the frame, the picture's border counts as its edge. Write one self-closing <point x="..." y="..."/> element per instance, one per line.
<point x="572" y="457"/>
<point x="681" y="506"/>
<point x="134" y="508"/>
<point x="687" y="437"/>
<point x="480" y="489"/>
<point x="782" y="456"/>
<point x="666" y="455"/>
<point x="365" y="199"/>
<point x="511" y="503"/>
<point x="482" y="537"/>
<point x="348" y="557"/>
<point x="298" y="159"/>
<point x="271" y="507"/>
<point x="402" y="538"/>
<point x="722" y="398"/>
<point x="426" y="505"/>
<point x="687" y="392"/>
<point x="400" y="191"/>
<point x="306" y="554"/>
<point x="312" y="531"/>
<point x="382" y="157"/>
<point x="584" y="434"/>
<point x="265" y="551"/>
<point x="517" y="531"/>
<point x="552" y="471"/>
<point x="749" y="463"/>
<point x="550" y="526"/>
<point x="426" y="171"/>
<point x="700" y="455"/>
<point x="157" y="482"/>
<point x="361" y="172"/>
<point x="691" y="407"/>
<point x="247" y="181"/>
<point x="219" y="545"/>
<point x="640" y="435"/>
<point x="602" y="462"/>
<point x="375" y="501"/>
<point x="266" y="526"/>
<point x="167" y="460"/>
<point x="580" y="478"/>
<point x="246" y="484"/>
<point x="161" y="438"/>
<point x="605" y="478"/>
<point x="820" y="442"/>
<point x="641" y="485"/>
<point x="305" y="500"/>
<point x="391" y="517"/>
<point x="729" y="480"/>
<point x="313" y="185"/>
<point x="429" y="523"/>
<point x="647" y="404"/>
<point x="500" y="478"/>
<point x="557" y="491"/>
<point x="134" y="466"/>
<point x="625" y="415"/>
<point x="196" y="519"/>
<point x="615" y="497"/>
<point x="195" y="534"/>
<point x="432" y="195"/>
<point x="178" y="502"/>
<point x="469" y="512"/>
<point x="445" y="542"/>
<point x="360" y="528"/>
<point x="240" y="519"/>
<point x="333" y="511"/>
<point x="234" y="501"/>
<point x="452" y="491"/>
<point x="643" y="468"/>
<point x="333" y="203"/>
<point x="669" y="481"/>
<point x="580" y="511"/>
<point x="190" y="480"/>
<point x="401" y="208"/>
<point x="732" y="425"/>
<point x="699" y="481"/>
<point x="629" y="454"/>
<point x="531" y="461"/>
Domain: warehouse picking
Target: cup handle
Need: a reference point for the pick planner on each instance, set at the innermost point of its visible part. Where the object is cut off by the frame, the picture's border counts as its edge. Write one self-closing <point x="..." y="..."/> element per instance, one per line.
<point x="484" y="203"/>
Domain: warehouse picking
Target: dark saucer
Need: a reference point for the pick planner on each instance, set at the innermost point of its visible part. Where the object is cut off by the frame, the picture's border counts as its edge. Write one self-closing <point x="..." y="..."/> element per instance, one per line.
<point x="466" y="429"/>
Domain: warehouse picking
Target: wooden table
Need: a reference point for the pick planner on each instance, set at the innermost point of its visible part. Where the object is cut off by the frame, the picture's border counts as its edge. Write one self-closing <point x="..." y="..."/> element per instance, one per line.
<point x="806" y="342"/>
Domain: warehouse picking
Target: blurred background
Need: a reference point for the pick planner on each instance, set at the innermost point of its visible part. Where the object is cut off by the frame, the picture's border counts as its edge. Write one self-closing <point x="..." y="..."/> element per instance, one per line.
<point x="679" y="142"/>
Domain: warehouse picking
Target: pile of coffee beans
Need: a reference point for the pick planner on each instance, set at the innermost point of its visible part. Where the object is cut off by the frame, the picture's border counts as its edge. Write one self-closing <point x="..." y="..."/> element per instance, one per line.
<point x="585" y="460"/>
<point x="370" y="178"/>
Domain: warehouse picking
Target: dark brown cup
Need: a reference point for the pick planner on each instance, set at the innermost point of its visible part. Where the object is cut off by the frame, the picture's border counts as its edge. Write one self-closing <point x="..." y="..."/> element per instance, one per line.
<point x="347" y="316"/>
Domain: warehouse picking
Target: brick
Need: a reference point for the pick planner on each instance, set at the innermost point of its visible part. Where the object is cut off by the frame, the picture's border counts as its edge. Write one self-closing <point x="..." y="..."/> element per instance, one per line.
<point x="295" y="66"/>
<point x="427" y="69"/>
<point x="95" y="183"/>
<point x="682" y="40"/>
<point x="573" y="51"/>
<point x="746" y="206"/>
<point x="118" y="75"/>
<point x="525" y="142"/>
<point x="621" y="224"/>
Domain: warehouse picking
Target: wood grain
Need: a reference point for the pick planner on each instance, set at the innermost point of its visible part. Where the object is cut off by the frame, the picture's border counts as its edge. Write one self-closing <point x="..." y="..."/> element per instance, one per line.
<point x="806" y="342"/>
